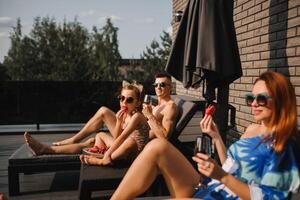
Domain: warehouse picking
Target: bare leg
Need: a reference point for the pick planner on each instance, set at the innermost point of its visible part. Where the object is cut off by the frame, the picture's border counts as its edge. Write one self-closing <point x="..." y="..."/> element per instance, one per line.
<point x="103" y="139"/>
<point x="39" y="148"/>
<point x="127" y="150"/>
<point x="103" y="115"/>
<point x="158" y="155"/>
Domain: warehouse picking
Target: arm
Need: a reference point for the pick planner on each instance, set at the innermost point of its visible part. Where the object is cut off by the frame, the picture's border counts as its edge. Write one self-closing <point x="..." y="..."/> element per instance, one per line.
<point x="134" y="121"/>
<point x="277" y="178"/>
<point x="208" y="167"/>
<point x="162" y="130"/>
<point x="209" y="127"/>
<point x="120" y="116"/>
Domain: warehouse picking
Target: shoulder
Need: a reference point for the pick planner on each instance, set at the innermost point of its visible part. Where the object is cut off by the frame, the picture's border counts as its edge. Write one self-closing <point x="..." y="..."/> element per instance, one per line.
<point x="171" y="105"/>
<point x="251" y="131"/>
<point x="170" y="110"/>
<point x="137" y="116"/>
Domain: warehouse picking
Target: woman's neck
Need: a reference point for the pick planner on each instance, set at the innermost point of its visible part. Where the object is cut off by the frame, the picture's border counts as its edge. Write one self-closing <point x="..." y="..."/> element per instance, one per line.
<point x="266" y="129"/>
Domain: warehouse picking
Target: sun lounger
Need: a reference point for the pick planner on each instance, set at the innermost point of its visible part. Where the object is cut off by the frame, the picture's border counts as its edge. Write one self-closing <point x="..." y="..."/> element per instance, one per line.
<point x="99" y="178"/>
<point x="23" y="161"/>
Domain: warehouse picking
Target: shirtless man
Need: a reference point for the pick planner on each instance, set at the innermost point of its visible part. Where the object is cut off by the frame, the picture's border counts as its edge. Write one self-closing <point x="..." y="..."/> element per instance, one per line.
<point x="161" y="118"/>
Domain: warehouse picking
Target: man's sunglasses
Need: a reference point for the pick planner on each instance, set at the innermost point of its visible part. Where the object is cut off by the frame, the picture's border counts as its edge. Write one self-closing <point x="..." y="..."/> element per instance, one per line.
<point x="126" y="99"/>
<point x="261" y="99"/>
<point x="162" y="84"/>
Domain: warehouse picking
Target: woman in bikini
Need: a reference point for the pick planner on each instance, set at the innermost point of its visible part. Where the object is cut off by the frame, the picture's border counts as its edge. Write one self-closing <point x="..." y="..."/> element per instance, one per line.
<point x="128" y="128"/>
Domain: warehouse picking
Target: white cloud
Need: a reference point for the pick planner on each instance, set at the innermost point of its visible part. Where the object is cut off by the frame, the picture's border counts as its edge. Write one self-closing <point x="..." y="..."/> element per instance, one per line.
<point x="114" y="18"/>
<point x="4" y="34"/>
<point x="7" y="22"/>
<point x="147" y="20"/>
<point x="87" y="13"/>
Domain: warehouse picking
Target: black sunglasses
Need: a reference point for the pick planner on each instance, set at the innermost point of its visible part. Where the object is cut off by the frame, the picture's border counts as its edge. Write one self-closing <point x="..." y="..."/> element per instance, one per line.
<point x="261" y="99"/>
<point x="162" y="84"/>
<point x="126" y="99"/>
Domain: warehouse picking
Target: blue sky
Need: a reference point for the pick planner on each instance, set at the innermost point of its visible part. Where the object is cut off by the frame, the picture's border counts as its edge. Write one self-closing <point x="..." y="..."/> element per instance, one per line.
<point x="139" y="21"/>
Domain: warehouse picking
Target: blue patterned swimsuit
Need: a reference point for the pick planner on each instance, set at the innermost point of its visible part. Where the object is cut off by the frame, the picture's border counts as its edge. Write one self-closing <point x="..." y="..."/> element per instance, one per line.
<point x="268" y="175"/>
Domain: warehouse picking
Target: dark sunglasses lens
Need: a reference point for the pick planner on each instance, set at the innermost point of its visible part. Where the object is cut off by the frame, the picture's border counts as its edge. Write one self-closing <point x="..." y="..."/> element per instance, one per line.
<point x="121" y="98"/>
<point x="261" y="100"/>
<point x="129" y="100"/>
<point x="162" y="84"/>
<point x="249" y="99"/>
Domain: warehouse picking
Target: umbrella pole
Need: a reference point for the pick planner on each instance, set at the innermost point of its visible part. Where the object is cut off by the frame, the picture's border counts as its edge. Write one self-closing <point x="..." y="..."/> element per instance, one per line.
<point x="221" y="117"/>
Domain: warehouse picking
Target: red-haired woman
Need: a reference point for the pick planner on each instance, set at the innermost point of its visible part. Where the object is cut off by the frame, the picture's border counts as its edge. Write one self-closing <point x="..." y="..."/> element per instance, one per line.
<point x="261" y="165"/>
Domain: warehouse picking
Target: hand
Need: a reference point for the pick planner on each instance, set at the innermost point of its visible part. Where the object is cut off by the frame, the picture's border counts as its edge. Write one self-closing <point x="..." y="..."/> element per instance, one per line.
<point x="208" y="167"/>
<point x="121" y="115"/>
<point x="147" y="110"/>
<point x="208" y="126"/>
<point x="107" y="159"/>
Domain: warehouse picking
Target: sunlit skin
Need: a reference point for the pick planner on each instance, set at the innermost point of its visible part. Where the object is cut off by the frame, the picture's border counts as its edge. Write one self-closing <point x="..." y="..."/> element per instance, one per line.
<point x="123" y="118"/>
<point x="130" y="106"/>
<point x="166" y="91"/>
<point x="261" y="113"/>
<point x="164" y="113"/>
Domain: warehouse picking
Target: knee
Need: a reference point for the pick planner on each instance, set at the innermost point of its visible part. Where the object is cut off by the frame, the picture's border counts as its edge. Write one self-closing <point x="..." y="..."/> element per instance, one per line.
<point x="100" y="135"/>
<point x="157" y="146"/>
<point x="101" y="112"/>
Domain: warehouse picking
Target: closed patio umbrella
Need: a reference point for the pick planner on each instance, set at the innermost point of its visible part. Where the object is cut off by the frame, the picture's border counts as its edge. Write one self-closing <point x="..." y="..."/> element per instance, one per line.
<point x="205" y="46"/>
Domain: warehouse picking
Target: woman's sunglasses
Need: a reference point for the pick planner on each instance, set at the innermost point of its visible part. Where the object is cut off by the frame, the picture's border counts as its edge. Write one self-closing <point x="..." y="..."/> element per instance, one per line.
<point x="126" y="99"/>
<point x="162" y="84"/>
<point x="261" y="99"/>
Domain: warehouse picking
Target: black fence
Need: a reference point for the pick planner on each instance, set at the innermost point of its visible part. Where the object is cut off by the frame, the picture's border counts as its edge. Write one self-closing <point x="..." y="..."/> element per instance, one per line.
<point x="39" y="102"/>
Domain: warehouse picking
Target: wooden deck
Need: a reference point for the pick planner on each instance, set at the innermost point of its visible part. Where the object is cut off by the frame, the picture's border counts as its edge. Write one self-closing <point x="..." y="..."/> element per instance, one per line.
<point x="60" y="185"/>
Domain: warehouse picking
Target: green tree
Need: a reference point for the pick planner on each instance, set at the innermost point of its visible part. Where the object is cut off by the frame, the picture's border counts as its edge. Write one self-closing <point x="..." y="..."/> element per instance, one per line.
<point x="106" y="55"/>
<point x="13" y="59"/>
<point x="63" y="52"/>
<point x="165" y="47"/>
<point x="155" y="56"/>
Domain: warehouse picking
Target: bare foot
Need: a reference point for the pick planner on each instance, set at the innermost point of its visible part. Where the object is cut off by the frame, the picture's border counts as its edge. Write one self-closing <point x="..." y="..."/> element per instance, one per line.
<point x="64" y="142"/>
<point x="90" y="142"/>
<point x="90" y="160"/>
<point x="36" y="147"/>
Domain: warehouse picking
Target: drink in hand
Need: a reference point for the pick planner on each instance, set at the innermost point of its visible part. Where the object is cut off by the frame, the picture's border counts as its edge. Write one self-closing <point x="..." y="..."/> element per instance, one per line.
<point x="147" y="99"/>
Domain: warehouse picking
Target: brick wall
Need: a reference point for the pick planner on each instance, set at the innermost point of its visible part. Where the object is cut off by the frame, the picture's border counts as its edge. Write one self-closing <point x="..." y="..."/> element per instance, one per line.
<point x="268" y="34"/>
